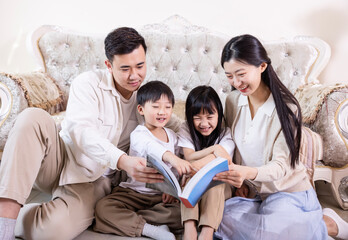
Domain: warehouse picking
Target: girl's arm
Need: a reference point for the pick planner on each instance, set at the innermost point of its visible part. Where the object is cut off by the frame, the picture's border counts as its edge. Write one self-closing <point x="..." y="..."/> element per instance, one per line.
<point x="204" y="156"/>
<point x="192" y="155"/>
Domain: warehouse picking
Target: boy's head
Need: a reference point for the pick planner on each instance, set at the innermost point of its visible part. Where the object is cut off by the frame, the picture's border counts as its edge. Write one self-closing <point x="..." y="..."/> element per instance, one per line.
<point x="155" y="102"/>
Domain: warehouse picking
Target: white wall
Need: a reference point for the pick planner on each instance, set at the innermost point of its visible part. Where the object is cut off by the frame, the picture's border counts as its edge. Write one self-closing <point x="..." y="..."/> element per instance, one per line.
<point x="267" y="19"/>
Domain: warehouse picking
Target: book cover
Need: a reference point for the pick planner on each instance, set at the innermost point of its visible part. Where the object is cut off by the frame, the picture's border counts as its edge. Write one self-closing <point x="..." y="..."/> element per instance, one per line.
<point x="196" y="186"/>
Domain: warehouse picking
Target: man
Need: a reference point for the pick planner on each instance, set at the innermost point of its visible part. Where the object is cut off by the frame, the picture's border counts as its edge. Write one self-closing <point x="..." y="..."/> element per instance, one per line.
<point x="74" y="164"/>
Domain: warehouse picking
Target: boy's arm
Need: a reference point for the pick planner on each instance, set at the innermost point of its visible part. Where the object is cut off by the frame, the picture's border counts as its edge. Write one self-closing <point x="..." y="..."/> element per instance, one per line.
<point x="182" y="166"/>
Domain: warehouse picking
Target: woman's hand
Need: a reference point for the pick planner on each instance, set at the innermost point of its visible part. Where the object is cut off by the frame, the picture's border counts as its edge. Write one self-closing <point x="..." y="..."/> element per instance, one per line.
<point x="236" y="175"/>
<point x="166" y="198"/>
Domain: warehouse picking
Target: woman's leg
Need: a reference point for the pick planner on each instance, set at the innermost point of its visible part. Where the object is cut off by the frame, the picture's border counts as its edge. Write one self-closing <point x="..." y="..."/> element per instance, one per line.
<point x="280" y="215"/>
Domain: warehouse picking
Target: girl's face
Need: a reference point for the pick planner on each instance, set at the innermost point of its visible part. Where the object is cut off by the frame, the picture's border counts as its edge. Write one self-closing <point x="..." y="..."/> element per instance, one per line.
<point x="205" y="123"/>
<point x="244" y="77"/>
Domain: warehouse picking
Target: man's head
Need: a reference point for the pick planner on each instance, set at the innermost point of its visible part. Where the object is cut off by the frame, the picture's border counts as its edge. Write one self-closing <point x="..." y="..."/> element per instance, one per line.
<point x="125" y="50"/>
<point x="155" y="102"/>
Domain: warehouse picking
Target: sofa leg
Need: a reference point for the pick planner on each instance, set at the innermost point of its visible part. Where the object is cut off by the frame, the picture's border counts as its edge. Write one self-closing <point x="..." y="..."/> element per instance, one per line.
<point x="338" y="177"/>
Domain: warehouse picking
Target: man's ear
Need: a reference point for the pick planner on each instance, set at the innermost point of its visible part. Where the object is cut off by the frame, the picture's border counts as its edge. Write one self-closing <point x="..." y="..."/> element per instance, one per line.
<point x="140" y="109"/>
<point x="108" y="65"/>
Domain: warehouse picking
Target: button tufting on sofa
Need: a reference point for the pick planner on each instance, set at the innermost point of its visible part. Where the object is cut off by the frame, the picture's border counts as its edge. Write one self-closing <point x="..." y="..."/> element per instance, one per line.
<point x="194" y="52"/>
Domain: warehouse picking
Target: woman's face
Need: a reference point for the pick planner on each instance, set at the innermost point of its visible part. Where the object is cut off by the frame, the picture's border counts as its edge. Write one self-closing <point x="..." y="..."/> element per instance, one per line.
<point x="244" y="77"/>
<point x="205" y="123"/>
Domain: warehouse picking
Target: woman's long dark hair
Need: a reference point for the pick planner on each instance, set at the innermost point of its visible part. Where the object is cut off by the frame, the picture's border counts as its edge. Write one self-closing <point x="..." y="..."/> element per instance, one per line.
<point x="204" y="98"/>
<point x="248" y="49"/>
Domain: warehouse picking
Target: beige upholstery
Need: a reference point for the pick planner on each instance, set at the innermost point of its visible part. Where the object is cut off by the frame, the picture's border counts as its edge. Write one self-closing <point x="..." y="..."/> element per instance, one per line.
<point x="184" y="56"/>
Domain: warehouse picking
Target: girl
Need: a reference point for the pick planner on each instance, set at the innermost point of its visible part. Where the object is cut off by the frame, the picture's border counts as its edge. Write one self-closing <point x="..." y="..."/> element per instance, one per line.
<point x="265" y="119"/>
<point x="202" y="138"/>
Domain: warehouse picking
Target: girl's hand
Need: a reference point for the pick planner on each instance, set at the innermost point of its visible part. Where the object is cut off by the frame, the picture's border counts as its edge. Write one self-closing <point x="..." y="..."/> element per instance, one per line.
<point x="166" y="198"/>
<point x="243" y="191"/>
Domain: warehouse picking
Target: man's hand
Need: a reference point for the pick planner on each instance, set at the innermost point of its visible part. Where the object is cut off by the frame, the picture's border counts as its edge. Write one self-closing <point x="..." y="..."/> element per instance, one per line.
<point x="136" y="168"/>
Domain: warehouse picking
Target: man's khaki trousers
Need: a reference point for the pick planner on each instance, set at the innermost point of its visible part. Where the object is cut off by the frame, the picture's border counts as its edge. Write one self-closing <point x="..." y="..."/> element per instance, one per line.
<point x="34" y="157"/>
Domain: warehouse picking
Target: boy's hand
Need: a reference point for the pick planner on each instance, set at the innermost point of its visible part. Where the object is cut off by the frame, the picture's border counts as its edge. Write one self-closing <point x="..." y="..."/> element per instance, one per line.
<point x="166" y="198"/>
<point x="182" y="166"/>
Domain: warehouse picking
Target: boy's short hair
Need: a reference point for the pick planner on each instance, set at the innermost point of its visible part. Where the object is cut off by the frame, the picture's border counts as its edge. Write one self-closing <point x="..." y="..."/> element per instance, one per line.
<point x="152" y="91"/>
<point x="122" y="41"/>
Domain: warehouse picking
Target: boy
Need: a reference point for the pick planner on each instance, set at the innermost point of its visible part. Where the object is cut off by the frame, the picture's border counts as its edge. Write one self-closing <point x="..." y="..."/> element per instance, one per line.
<point x="131" y="208"/>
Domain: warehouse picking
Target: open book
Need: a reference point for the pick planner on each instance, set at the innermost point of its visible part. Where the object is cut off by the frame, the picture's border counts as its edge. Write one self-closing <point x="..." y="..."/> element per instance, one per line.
<point x="195" y="187"/>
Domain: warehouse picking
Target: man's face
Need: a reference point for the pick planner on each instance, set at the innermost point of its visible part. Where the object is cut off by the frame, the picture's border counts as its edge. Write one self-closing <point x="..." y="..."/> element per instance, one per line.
<point x="128" y="71"/>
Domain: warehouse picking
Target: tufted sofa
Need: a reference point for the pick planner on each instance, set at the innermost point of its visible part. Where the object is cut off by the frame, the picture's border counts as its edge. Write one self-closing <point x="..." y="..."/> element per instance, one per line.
<point x="183" y="56"/>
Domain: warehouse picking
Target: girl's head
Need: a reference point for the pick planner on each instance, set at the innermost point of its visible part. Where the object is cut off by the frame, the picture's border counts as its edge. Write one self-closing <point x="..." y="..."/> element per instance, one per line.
<point x="204" y="115"/>
<point x="249" y="70"/>
<point x="245" y="61"/>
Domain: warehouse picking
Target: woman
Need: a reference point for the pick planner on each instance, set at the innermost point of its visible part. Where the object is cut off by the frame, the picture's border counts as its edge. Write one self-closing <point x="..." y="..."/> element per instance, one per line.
<point x="265" y="120"/>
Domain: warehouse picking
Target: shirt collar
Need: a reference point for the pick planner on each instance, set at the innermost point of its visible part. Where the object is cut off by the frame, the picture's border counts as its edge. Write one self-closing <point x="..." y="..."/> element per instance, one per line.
<point x="107" y="83"/>
<point x="267" y="108"/>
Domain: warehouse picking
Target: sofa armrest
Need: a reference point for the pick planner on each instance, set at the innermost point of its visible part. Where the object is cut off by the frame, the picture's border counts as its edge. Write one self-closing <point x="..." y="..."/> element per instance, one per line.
<point x="325" y="111"/>
<point x="20" y="91"/>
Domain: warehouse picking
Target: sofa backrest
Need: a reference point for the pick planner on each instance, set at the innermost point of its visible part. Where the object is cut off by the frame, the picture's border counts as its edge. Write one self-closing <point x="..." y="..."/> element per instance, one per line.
<point x="180" y="54"/>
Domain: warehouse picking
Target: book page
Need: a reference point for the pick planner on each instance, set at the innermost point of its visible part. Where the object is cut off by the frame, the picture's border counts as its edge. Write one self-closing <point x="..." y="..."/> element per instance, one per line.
<point x="170" y="184"/>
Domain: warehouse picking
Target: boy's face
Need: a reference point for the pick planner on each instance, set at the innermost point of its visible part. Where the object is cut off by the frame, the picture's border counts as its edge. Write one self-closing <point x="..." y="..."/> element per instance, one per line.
<point x="156" y="114"/>
<point x="128" y="71"/>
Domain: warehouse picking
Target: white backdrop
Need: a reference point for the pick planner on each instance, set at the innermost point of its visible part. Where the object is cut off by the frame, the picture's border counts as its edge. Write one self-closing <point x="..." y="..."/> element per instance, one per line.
<point x="267" y="19"/>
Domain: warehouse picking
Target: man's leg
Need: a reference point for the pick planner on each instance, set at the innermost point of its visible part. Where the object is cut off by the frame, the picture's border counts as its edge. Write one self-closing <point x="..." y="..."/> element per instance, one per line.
<point x="33" y="140"/>
<point x="69" y="213"/>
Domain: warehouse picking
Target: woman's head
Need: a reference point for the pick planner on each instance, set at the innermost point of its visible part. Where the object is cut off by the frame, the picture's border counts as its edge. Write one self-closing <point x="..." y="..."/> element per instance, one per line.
<point x="249" y="70"/>
<point x="204" y="115"/>
<point x="245" y="61"/>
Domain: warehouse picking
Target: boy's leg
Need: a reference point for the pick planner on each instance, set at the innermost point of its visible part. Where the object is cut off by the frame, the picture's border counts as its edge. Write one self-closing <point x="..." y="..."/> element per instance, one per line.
<point x="69" y="213"/>
<point x="164" y="214"/>
<point x="117" y="212"/>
